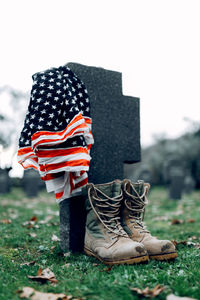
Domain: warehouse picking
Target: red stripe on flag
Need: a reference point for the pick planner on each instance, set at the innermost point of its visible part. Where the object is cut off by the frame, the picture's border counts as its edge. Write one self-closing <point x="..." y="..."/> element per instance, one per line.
<point x="52" y="176"/>
<point x="59" y="195"/>
<point x="72" y="163"/>
<point x="38" y="133"/>
<point x="23" y="151"/>
<point x="61" y="152"/>
<point x="81" y="183"/>
<point x="61" y="139"/>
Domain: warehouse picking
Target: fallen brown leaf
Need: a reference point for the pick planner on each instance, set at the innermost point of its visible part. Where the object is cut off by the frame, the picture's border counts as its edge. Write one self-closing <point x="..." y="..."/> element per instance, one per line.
<point x="191" y="221"/>
<point x="39" y="272"/>
<point x="54" y="238"/>
<point x="30" y="224"/>
<point x="107" y="269"/>
<point x="188" y="243"/>
<point x="28" y="292"/>
<point x="178" y="243"/>
<point x="193" y="238"/>
<point x="44" y="275"/>
<point x="95" y="265"/>
<point x="197" y="246"/>
<point x="149" y="293"/>
<point x="6" y="221"/>
<point x="176" y="221"/>
<point x="30" y="263"/>
<point x="32" y="234"/>
<point x="34" y="219"/>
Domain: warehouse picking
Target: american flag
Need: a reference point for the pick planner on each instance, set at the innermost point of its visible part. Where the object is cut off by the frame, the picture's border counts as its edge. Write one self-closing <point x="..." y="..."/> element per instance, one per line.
<point x="56" y="137"/>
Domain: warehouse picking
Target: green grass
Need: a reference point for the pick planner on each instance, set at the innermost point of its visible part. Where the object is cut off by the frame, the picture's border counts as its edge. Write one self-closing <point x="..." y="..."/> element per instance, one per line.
<point x="84" y="277"/>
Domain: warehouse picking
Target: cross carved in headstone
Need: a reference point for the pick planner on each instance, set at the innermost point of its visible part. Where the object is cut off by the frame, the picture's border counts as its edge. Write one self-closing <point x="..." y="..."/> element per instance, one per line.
<point x="116" y="130"/>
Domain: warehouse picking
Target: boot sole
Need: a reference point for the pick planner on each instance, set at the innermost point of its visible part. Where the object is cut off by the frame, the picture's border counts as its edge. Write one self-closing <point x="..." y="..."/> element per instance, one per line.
<point x="132" y="260"/>
<point x="165" y="256"/>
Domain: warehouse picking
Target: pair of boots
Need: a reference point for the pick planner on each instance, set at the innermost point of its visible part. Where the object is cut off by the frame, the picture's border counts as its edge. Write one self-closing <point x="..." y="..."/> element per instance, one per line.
<point x="115" y="233"/>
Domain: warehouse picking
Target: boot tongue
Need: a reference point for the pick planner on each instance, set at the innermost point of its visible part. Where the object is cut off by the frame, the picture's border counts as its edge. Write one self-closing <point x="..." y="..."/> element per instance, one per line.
<point x="139" y="187"/>
<point x="111" y="207"/>
<point x="111" y="190"/>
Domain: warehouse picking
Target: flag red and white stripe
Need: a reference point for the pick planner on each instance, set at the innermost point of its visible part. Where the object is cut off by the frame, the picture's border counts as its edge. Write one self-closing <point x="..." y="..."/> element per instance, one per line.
<point x="61" y="155"/>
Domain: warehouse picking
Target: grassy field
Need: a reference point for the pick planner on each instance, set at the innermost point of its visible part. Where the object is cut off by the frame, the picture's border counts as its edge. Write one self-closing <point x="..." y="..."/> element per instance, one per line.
<point x="28" y="243"/>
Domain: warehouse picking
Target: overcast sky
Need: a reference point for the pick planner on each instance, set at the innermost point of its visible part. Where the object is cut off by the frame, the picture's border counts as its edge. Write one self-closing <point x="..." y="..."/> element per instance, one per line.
<point x="154" y="43"/>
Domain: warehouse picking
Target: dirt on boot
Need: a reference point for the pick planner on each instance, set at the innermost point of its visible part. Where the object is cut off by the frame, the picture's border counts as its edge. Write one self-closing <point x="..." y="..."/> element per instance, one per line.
<point x="132" y="214"/>
<point x="105" y="238"/>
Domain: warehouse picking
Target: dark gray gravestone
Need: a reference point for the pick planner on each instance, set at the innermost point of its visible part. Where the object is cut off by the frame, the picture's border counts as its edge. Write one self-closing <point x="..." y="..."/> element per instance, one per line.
<point x="116" y="130"/>
<point x="189" y="184"/>
<point x="31" y="183"/>
<point x="4" y="181"/>
<point x="196" y="172"/>
<point x="175" y="174"/>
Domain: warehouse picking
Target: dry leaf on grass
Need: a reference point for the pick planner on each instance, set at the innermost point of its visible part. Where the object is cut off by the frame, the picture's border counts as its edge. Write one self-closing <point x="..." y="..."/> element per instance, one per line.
<point x="28" y="263"/>
<point x="31" y="223"/>
<point x="194" y="237"/>
<point x="187" y="243"/>
<point x="178" y="243"/>
<point x="149" y="293"/>
<point x="28" y="292"/>
<point x="95" y="265"/>
<point x="176" y="222"/>
<point x="107" y="269"/>
<point x="32" y="234"/>
<point x="191" y="221"/>
<point x="44" y="275"/>
<point x="34" y="219"/>
<point x="173" y="297"/>
<point x="54" y="238"/>
<point x="6" y="221"/>
<point x="197" y="246"/>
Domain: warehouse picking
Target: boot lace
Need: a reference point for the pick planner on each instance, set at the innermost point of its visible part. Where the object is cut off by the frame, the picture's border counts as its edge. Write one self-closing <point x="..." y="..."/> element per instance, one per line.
<point x="136" y="207"/>
<point x="107" y="210"/>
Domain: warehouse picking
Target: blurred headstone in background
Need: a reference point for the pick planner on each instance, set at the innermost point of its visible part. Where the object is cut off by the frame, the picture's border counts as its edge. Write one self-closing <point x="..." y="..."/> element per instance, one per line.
<point x="189" y="184"/>
<point x="196" y="172"/>
<point x="116" y="130"/>
<point x="174" y="175"/>
<point x="31" y="183"/>
<point x="5" y="182"/>
<point x="145" y="174"/>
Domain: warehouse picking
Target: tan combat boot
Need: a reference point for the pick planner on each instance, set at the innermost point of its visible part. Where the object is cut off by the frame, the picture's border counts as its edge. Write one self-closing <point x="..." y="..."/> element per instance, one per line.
<point x="105" y="238"/>
<point x="132" y="211"/>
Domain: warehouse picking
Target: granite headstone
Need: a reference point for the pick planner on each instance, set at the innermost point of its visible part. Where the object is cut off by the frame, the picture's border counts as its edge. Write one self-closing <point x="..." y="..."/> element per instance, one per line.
<point x="175" y="174"/>
<point x="116" y="130"/>
<point x="31" y="183"/>
<point x="189" y="184"/>
<point x="4" y="181"/>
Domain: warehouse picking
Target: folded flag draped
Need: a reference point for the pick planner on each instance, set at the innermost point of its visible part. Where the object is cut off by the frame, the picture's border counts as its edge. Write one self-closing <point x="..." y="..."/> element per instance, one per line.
<point x="56" y="137"/>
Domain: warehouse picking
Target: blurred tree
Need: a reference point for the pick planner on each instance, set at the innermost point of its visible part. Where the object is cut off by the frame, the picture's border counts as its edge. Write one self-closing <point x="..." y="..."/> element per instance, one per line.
<point x="4" y="142"/>
<point x="12" y="114"/>
<point x="186" y="148"/>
